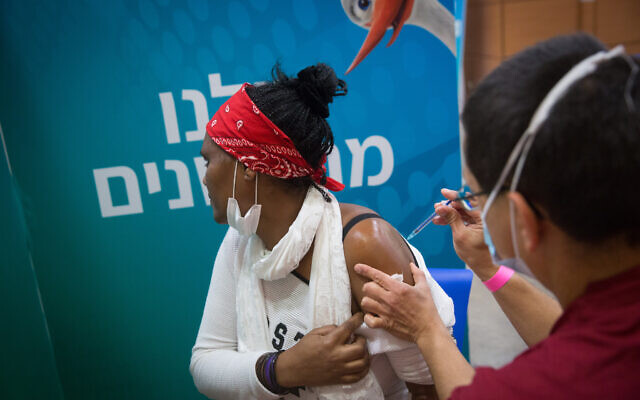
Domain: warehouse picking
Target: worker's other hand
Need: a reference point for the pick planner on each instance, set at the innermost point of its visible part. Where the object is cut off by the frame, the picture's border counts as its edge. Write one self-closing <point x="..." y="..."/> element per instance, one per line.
<point x="406" y="311"/>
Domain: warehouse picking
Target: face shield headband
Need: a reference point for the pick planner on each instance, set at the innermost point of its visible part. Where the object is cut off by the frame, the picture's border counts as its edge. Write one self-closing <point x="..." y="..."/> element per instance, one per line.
<point x="519" y="153"/>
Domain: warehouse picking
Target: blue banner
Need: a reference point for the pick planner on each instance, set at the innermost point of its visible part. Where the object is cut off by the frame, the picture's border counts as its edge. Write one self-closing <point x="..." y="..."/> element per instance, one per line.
<point x="103" y="108"/>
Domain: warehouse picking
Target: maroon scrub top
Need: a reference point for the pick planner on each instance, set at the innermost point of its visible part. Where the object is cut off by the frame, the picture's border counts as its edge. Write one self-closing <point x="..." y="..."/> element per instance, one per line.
<point x="593" y="351"/>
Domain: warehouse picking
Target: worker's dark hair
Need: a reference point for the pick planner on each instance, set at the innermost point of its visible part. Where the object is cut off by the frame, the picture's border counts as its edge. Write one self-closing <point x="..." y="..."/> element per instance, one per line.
<point x="586" y="156"/>
<point x="299" y="106"/>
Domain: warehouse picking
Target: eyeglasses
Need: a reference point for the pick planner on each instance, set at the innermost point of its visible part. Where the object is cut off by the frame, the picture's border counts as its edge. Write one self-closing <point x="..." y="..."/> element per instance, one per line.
<point x="469" y="199"/>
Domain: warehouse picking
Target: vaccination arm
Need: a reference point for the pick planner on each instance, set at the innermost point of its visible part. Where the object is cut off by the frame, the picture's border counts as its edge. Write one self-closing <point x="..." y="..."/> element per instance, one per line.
<point x="531" y="311"/>
<point x="377" y="243"/>
<point x="409" y="312"/>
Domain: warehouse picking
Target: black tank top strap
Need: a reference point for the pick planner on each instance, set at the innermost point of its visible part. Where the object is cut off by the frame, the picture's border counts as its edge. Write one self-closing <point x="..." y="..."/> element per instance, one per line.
<point x="353" y="221"/>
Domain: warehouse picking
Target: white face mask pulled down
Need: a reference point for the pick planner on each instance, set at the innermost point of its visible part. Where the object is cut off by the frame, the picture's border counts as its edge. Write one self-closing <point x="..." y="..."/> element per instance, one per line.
<point x="519" y="154"/>
<point x="247" y="225"/>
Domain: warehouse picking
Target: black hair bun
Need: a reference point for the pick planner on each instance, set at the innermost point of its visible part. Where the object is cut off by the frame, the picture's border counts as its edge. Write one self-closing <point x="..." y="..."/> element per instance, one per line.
<point x="317" y="85"/>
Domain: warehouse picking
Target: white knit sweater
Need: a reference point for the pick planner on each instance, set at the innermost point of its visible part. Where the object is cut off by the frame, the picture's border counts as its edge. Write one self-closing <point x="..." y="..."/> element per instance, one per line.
<point x="221" y="372"/>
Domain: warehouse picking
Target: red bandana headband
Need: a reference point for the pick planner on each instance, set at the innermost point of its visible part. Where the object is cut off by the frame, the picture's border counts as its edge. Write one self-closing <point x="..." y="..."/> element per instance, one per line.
<point x="244" y="132"/>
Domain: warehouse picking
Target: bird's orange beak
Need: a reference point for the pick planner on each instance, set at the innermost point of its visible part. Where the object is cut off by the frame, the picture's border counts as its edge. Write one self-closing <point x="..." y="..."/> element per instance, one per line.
<point x="386" y="13"/>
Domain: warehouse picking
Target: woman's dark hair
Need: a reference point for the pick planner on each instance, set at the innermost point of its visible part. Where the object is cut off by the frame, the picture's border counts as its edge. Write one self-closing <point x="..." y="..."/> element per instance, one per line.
<point x="299" y="107"/>
<point x="585" y="157"/>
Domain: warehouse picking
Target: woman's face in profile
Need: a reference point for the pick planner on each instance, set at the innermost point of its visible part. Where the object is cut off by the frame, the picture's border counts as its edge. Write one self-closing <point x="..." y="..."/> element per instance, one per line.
<point x="218" y="177"/>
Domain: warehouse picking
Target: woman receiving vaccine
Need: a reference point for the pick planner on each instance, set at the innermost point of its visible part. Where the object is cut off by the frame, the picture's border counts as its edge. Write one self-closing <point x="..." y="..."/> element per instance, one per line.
<point x="281" y="318"/>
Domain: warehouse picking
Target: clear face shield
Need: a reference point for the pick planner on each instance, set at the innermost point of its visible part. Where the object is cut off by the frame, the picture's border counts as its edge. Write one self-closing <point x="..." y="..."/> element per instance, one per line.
<point x="518" y="156"/>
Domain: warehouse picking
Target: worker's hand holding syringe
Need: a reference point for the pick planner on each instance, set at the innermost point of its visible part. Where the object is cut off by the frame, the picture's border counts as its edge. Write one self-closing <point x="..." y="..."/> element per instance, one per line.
<point x="459" y="211"/>
<point x="466" y="229"/>
<point x="531" y="311"/>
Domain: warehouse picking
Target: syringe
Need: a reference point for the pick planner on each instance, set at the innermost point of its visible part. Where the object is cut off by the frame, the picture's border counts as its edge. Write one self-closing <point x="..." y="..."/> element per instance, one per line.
<point x="424" y="223"/>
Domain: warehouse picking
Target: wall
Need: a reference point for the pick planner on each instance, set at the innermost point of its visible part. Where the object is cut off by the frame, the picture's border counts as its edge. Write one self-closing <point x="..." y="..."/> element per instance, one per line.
<point x="497" y="29"/>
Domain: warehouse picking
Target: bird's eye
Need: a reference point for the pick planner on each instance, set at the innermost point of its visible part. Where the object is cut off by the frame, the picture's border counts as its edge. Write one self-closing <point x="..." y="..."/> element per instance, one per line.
<point x="364" y="4"/>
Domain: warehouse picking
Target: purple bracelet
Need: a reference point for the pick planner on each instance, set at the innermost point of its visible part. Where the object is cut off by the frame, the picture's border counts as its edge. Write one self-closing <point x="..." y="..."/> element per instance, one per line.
<point x="269" y="369"/>
<point x="266" y="372"/>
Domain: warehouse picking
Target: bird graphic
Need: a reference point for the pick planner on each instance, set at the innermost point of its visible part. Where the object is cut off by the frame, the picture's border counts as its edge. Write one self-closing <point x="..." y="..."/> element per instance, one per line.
<point x="380" y="15"/>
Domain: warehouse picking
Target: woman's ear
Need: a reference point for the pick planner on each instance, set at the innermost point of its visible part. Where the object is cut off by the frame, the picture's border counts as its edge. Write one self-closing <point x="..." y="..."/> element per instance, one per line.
<point x="526" y="221"/>
<point x="249" y="174"/>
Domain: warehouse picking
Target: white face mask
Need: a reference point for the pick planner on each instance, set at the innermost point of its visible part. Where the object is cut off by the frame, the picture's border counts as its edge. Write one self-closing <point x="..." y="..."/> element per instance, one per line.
<point x="247" y="225"/>
<point x="521" y="150"/>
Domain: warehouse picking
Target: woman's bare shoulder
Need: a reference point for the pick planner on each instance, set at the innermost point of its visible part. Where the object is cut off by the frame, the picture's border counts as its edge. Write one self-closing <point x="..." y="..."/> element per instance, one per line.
<point x="349" y="210"/>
